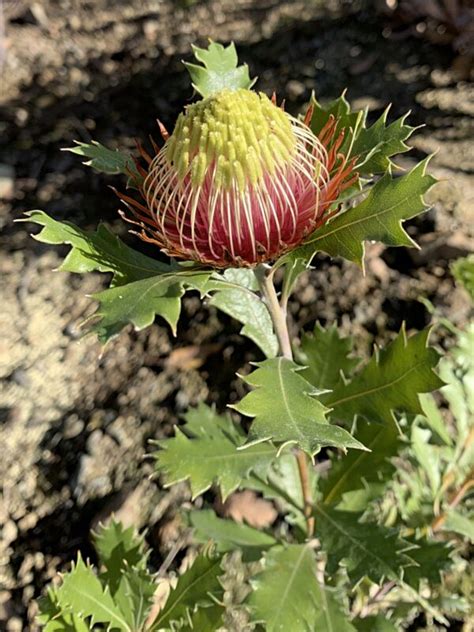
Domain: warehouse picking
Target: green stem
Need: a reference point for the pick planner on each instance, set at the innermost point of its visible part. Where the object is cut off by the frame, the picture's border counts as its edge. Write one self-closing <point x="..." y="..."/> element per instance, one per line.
<point x="264" y="276"/>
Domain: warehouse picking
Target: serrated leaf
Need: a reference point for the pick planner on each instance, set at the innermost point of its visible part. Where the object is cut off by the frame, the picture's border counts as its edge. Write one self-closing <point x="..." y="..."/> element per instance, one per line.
<point x="429" y="560"/>
<point x="378" y="217"/>
<point x="460" y="524"/>
<point x="357" y="470"/>
<point x="390" y="382"/>
<point x="206" y="451"/>
<point x="363" y="549"/>
<point x="106" y="160"/>
<point x="118" y="550"/>
<point x="463" y="271"/>
<point x="229" y="535"/>
<point x="100" y="251"/>
<point x="198" y="587"/>
<point x="52" y="619"/>
<point x="287" y="596"/>
<point x="285" y="409"/>
<point x="82" y="592"/>
<point x="134" y="595"/>
<point x="219" y="70"/>
<point x="251" y="311"/>
<point x="374" y="146"/>
<point x="139" y="302"/>
<point x="325" y="354"/>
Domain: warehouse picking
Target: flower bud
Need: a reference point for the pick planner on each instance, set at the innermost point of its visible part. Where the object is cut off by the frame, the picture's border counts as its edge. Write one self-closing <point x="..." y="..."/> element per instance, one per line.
<point x="238" y="182"/>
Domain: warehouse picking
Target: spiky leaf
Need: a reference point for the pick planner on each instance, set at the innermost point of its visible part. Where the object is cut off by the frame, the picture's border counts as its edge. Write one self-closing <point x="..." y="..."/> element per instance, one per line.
<point x="198" y="587"/>
<point x="374" y="146"/>
<point x="287" y="596"/>
<point x="391" y="381"/>
<point x="100" y="251"/>
<point x="220" y="69"/>
<point x="364" y="549"/>
<point x="285" y="409"/>
<point x="134" y="595"/>
<point x="105" y="160"/>
<point x="429" y="560"/>
<point x="378" y="217"/>
<point x="325" y="354"/>
<point x="118" y="549"/>
<point x="229" y="535"/>
<point x="82" y="593"/>
<point x="206" y="451"/>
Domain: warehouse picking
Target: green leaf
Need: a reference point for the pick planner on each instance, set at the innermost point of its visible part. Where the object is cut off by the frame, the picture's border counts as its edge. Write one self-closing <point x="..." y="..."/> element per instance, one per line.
<point x="325" y="354"/>
<point x="286" y="410"/>
<point x="358" y="470"/>
<point x="100" y="251"/>
<point x="364" y="549"/>
<point x="82" y="592"/>
<point x="206" y="619"/>
<point x="206" y="451"/>
<point x="106" y="160"/>
<point x="429" y="559"/>
<point x="374" y="146"/>
<point x="52" y="619"/>
<point x="219" y="70"/>
<point x="135" y="595"/>
<point x="390" y="382"/>
<point x="118" y="549"/>
<point x="249" y="309"/>
<point x="198" y="587"/>
<point x="458" y="523"/>
<point x="463" y="271"/>
<point x="287" y="596"/>
<point x="378" y="217"/>
<point x="139" y="302"/>
<point x="229" y="535"/>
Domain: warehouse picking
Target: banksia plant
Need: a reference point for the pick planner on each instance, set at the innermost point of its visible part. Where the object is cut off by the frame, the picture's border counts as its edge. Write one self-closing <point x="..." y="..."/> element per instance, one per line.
<point x="239" y="190"/>
<point x="239" y="182"/>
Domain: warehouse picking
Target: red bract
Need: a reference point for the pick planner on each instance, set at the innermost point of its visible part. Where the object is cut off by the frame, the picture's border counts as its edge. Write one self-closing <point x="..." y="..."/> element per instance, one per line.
<point x="239" y="182"/>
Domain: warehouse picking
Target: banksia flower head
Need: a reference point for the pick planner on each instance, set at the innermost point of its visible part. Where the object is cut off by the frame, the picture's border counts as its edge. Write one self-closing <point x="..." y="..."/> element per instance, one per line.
<point x="238" y="182"/>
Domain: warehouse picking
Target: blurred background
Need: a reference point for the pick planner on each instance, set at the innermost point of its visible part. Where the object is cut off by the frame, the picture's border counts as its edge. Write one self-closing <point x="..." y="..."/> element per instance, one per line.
<point x="75" y="419"/>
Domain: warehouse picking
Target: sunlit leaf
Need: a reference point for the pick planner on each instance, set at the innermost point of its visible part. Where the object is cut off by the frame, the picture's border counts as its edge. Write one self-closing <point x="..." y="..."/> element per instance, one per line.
<point x="390" y="382"/>
<point x="82" y="592"/>
<point x="378" y="217"/>
<point x="463" y="270"/>
<point x="220" y="69"/>
<point x="105" y="160"/>
<point x="285" y="408"/>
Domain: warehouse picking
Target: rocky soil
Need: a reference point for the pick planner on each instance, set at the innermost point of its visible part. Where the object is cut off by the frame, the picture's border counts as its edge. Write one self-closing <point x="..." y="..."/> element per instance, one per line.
<point x="76" y="419"/>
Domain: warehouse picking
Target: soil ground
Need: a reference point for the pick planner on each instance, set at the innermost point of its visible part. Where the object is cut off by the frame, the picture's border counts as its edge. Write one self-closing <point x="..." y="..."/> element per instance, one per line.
<point x="75" y="419"/>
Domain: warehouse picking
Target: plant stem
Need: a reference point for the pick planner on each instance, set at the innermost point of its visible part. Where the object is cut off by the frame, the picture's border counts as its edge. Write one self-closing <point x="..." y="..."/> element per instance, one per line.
<point x="303" y="470"/>
<point x="264" y="276"/>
